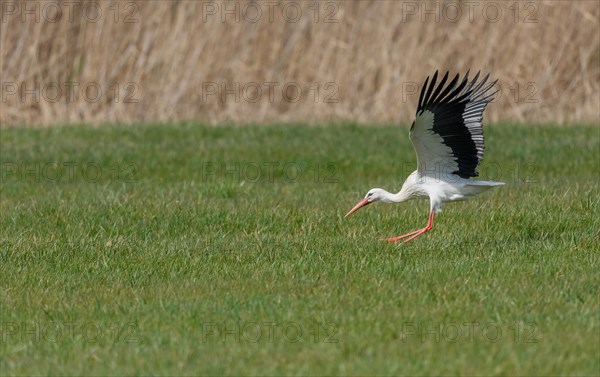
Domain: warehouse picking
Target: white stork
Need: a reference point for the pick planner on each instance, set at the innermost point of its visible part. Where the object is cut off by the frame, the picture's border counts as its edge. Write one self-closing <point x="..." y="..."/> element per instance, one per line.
<point x="448" y="138"/>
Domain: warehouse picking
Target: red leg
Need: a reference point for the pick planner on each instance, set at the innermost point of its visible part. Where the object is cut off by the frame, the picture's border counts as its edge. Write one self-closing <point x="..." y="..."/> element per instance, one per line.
<point x="416" y="233"/>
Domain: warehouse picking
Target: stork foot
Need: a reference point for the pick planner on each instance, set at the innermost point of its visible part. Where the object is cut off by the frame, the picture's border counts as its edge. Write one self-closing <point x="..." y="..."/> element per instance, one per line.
<point x="396" y="239"/>
<point x="421" y="231"/>
<point x="412" y="235"/>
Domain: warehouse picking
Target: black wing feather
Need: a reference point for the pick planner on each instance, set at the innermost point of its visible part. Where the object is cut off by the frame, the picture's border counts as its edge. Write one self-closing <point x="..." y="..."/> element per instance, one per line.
<point x="458" y="112"/>
<point x="431" y="86"/>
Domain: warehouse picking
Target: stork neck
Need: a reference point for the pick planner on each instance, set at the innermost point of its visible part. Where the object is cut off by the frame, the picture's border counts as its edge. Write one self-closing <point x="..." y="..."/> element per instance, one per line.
<point x="396" y="198"/>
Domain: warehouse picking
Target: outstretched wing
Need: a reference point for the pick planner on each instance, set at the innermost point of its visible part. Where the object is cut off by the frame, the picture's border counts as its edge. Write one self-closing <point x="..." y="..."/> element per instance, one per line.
<point x="447" y="133"/>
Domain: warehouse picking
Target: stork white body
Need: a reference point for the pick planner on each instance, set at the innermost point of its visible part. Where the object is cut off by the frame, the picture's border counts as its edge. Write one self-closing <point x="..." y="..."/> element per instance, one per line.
<point x="448" y="138"/>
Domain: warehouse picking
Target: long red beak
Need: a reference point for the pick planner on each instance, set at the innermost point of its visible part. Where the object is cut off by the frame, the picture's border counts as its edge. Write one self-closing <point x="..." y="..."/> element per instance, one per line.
<point x="362" y="203"/>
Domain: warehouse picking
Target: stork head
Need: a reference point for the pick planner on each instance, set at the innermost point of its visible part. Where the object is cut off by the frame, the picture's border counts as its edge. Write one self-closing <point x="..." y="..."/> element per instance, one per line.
<point x="372" y="196"/>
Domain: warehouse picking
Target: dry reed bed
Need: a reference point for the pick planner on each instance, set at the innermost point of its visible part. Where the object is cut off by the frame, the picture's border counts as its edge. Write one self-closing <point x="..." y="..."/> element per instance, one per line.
<point x="180" y="60"/>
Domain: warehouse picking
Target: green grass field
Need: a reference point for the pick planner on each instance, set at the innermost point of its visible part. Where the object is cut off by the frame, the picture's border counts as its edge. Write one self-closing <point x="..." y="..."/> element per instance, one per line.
<point x="223" y="251"/>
